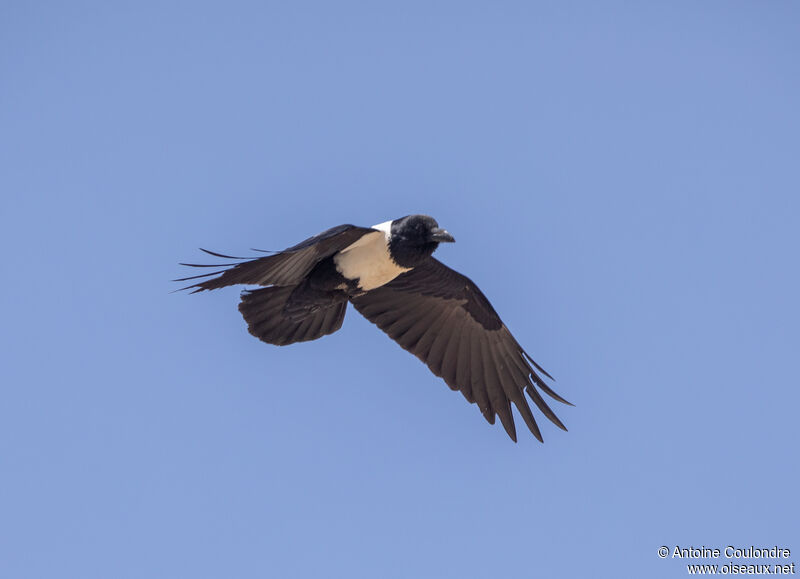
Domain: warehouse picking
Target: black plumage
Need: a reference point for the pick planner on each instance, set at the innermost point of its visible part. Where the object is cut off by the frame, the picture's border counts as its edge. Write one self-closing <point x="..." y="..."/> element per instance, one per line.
<point x="389" y="275"/>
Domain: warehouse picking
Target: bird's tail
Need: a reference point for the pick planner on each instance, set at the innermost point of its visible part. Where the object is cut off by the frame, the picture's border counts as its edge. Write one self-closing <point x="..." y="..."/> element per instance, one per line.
<point x="275" y="314"/>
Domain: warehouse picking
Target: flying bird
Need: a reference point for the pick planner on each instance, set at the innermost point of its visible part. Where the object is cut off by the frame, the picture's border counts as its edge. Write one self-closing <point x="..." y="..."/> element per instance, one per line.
<point x="389" y="274"/>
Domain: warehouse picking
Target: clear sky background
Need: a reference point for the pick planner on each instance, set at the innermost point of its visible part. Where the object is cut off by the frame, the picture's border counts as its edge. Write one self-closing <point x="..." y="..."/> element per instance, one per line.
<point x="622" y="180"/>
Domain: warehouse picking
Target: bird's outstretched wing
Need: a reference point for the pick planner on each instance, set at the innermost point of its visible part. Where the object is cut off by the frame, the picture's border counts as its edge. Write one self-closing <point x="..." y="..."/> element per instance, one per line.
<point x="281" y="269"/>
<point x="442" y="318"/>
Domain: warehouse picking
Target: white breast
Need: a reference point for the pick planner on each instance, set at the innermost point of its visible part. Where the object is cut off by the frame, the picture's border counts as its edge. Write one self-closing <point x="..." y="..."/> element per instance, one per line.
<point x="368" y="259"/>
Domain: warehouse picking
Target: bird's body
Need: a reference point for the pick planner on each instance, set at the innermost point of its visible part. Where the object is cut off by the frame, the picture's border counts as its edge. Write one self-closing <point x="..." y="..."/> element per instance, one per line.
<point x="388" y="273"/>
<point x="368" y="260"/>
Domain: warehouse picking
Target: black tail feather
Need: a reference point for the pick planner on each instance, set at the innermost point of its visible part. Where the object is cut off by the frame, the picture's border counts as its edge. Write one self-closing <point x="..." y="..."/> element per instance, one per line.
<point x="270" y="320"/>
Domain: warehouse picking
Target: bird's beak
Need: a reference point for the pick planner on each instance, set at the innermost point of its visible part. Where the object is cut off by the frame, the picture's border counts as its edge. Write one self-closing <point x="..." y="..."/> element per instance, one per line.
<point x="439" y="235"/>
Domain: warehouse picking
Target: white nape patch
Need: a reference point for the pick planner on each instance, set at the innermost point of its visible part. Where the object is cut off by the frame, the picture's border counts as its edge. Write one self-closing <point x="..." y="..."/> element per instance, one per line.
<point x="368" y="259"/>
<point x="386" y="227"/>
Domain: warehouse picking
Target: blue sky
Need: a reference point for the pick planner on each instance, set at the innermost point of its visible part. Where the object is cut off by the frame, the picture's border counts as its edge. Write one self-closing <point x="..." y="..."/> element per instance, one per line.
<point x="622" y="180"/>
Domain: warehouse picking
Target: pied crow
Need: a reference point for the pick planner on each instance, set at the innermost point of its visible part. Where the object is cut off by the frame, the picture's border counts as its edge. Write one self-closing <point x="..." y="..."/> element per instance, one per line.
<point x="388" y="273"/>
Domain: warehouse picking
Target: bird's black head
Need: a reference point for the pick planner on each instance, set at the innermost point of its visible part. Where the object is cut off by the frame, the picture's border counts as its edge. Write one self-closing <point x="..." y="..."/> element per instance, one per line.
<point x="414" y="238"/>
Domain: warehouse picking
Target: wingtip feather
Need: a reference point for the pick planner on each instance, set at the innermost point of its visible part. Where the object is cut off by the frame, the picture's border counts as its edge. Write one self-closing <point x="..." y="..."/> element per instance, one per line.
<point x="222" y="255"/>
<point x="542" y="370"/>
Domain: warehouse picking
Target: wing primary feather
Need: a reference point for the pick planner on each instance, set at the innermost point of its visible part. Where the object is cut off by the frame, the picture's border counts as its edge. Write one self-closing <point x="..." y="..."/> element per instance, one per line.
<point x="222" y="255"/>
<point x="198" y="277"/>
<point x="498" y="394"/>
<point x="517" y="379"/>
<point x="450" y="352"/>
<point x="494" y="386"/>
<point x="508" y="422"/>
<point x="209" y="264"/>
<point x="476" y="380"/>
<point x="537" y="380"/>
<point x="530" y="421"/>
<point x="542" y="370"/>
<point x="463" y="367"/>
<point x="549" y="391"/>
<point x="542" y="405"/>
